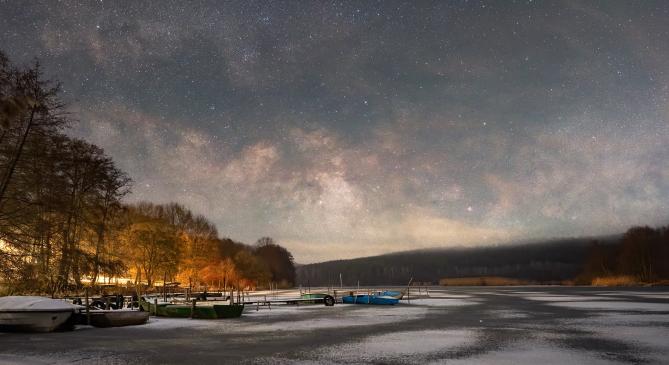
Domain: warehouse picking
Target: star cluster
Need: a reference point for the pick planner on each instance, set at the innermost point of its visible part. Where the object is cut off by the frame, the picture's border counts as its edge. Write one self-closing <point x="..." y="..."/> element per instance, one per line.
<point x="345" y="129"/>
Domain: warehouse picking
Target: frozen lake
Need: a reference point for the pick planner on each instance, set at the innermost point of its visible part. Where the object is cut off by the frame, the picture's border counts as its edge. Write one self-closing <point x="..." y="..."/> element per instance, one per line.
<point x="510" y="325"/>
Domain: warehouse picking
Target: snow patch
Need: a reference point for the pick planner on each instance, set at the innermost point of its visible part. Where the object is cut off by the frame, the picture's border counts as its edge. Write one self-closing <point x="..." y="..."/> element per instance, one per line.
<point x="398" y="346"/>
<point x="439" y="302"/>
<point x="562" y="298"/>
<point x="664" y="296"/>
<point x="505" y="314"/>
<point x="448" y="296"/>
<point x="535" y="353"/>
<point x="616" y="306"/>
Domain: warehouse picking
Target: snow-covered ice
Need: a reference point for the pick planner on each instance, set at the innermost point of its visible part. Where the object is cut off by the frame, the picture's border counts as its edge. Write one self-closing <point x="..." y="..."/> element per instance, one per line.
<point x="531" y="353"/>
<point x="439" y="302"/>
<point x="398" y="345"/>
<point x="562" y="298"/>
<point x="544" y="325"/>
<point x="615" y="306"/>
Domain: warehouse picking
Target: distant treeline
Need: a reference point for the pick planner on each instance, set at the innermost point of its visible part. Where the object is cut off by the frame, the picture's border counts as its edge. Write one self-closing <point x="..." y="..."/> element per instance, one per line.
<point x="540" y="262"/>
<point x="639" y="256"/>
<point x="62" y="219"/>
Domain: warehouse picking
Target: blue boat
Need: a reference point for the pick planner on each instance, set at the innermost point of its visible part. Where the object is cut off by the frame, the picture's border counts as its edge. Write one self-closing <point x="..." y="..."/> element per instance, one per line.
<point x="370" y="299"/>
<point x="391" y="293"/>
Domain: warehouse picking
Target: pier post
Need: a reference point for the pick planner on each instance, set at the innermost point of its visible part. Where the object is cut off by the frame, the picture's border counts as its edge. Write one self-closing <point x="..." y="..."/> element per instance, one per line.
<point x="88" y="311"/>
<point x="165" y="286"/>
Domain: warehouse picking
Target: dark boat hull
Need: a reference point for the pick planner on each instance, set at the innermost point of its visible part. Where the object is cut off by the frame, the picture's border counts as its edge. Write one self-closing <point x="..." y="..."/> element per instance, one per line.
<point x="228" y="310"/>
<point x="118" y="318"/>
<point x="184" y="311"/>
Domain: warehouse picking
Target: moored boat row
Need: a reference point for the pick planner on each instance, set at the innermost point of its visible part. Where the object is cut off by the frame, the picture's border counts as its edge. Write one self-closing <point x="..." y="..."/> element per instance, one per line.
<point x="41" y="314"/>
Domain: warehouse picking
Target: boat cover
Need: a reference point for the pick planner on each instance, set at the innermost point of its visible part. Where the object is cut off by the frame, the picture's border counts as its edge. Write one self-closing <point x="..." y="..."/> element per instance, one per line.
<point x="30" y="303"/>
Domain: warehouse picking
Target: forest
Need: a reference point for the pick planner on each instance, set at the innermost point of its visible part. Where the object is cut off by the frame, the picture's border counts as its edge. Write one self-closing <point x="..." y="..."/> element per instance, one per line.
<point x="64" y="222"/>
<point x="640" y="256"/>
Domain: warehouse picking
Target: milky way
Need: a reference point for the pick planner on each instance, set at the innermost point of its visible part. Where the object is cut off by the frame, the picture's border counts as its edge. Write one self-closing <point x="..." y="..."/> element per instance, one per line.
<point x="358" y="128"/>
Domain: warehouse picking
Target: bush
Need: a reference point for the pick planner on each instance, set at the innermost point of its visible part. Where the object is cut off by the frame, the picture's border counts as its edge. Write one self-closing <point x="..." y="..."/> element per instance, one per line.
<point x="617" y="280"/>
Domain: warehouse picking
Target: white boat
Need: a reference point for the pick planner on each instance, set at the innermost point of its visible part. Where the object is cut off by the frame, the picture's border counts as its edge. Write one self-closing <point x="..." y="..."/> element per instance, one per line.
<point x="35" y="314"/>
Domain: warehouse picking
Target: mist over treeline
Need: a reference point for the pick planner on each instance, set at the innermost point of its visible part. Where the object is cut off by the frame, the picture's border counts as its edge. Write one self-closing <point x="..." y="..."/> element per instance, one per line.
<point x="63" y="220"/>
<point x="641" y="255"/>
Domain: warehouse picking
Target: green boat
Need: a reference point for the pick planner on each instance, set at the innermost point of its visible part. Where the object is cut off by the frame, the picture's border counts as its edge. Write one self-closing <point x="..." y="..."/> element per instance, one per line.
<point x="200" y="311"/>
<point x="183" y="311"/>
<point x="228" y="310"/>
<point x="152" y="308"/>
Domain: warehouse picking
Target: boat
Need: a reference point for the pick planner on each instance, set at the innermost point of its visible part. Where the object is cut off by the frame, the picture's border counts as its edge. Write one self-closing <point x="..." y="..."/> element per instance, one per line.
<point x="36" y="314"/>
<point x="392" y="293"/>
<point x="369" y="299"/>
<point x="114" y="318"/>
<point x="155" y="308"/>
<point x="228" y="310"/>
<point x="184" y="311"/>
<point x="165" y="309"/>
<point x="316" y="298"/>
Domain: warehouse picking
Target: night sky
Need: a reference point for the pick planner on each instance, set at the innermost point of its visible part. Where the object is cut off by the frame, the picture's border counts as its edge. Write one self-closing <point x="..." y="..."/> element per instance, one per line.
<point x="358" y="128"/>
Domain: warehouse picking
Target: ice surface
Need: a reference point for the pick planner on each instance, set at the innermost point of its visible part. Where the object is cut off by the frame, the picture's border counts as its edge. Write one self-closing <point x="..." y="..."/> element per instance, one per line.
<point x="502" y="313"/>
<point x="656" y="338"/>
<point x="446" y="295"/>
<point x="608" y="318"/>
<point x="531" y="353"/>
<point x="398" y="345"/>
<point x="648" y="332"/>
<point x="563" y="298"/>
<point x="67" y="357"/>
<point x="405" y="333"/>
<point x="664" y="296"/>
<point x="439" y="302"/>
<point x="343" y="317"/>
<point x="11" y="359"/>
<point x="293" y="318"/>
<point x="615" y="306"/>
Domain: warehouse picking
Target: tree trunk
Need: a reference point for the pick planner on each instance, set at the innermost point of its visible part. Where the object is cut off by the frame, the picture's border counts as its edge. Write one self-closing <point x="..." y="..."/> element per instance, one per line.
<point x="17" y="156"/>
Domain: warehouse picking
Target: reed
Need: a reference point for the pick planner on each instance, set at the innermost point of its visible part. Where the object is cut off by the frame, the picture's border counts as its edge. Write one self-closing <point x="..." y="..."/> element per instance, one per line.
<point x="615" y="280"/>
